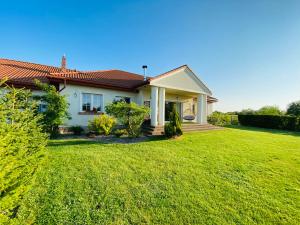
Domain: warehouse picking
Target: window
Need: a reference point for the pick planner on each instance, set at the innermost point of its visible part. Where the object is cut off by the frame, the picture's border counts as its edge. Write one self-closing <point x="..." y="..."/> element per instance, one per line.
<point x="91" y="102"/>
<point x="122" y="98"/>
<point x="147" y="104"/>
<point x="42" y="107"/>
<point x="97" y="103"/>
<point x="86" y="102"/>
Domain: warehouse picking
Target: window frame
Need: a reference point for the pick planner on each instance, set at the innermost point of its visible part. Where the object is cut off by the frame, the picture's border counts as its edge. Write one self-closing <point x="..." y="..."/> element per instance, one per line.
<point x="119" y="97"/>
<point x="92" y="102"/>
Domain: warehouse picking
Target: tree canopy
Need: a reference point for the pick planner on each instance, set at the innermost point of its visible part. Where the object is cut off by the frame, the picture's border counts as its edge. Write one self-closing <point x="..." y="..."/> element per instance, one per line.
<point x="294" y="109"/>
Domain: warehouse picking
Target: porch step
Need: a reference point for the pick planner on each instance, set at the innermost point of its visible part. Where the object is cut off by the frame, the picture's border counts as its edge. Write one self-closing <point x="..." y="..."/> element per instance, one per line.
<point x="159" y="130"/>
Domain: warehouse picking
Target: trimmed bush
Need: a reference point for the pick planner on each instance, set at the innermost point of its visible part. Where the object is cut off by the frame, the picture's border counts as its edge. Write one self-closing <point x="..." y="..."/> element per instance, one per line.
<point x="77" y="130"/>
<point x="271" y="121"/>
<point x="130" y="115"/>
<point x="102" y="124"/>
<point x="120" y="132"/>
<point x="173" y="128"/>
<point x="22" y="147"/>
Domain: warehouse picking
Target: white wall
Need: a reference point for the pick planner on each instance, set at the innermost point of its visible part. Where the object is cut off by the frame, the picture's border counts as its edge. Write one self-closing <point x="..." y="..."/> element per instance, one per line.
<point x="183" y="80"/>
<point x="73" y="93"/>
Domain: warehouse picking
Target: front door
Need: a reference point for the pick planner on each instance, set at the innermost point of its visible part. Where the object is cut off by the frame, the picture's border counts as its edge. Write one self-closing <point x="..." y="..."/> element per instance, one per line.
<point x="168" y="109"/>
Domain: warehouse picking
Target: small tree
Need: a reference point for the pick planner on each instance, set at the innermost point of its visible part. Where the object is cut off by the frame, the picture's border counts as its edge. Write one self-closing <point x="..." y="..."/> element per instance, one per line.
<point x="102" y="124"/>
<point x="269" y="110"/>
<point x="22" y="146"/>
<point x="294" y="109"/>
<point x="56" y="108"/>
<point x="173" y="128"/>
<point x="130" y="115"/>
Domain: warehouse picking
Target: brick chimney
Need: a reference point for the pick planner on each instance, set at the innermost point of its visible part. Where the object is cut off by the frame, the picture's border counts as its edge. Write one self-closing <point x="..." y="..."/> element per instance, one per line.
<point x="64" y="63"/>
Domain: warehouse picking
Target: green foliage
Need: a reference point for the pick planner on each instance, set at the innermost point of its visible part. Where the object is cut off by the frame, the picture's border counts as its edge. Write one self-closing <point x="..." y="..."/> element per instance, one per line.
<point x="294" y="109"/>
<point x="269" y="110"/>
<point x="120" y="132"/>
<point x="56" y="108"/>
<point x="265" y="110"/>
<point x="77" y="130"/>
<point x="173" y="128"/>
<point x="130" y="115"/>
<point x="222" y="119"/>
<point x="22" y="147"/>
<point x="102" y="124"/>
<point x="271" y="121"/>
<point x="247" y="112"/>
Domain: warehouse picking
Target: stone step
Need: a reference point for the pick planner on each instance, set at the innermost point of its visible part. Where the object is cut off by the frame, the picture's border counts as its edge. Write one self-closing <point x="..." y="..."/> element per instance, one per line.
<point x="159" y="130"/>
<point x="203" y="129"/>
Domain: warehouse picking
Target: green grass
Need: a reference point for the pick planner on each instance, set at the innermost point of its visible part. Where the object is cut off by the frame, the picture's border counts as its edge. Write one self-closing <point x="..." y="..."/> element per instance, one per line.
<point x="231" y="176"/>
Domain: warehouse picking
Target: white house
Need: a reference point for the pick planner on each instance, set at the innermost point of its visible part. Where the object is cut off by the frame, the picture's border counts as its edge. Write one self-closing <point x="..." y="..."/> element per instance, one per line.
<point x="88" y="92"/>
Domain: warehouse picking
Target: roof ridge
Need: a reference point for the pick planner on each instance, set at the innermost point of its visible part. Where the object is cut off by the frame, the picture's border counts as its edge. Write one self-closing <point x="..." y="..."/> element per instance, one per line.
<point x="38" y="64"/>
<point x="170" y="71"/>
<point x="95" y="71"/>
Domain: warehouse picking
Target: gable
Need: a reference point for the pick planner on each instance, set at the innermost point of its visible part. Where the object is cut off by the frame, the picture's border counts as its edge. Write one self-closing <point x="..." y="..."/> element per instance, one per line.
<point x="183" y="79"/>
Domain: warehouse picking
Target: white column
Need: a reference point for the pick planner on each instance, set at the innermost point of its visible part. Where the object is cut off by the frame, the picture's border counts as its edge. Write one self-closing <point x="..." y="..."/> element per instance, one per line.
<point x="161" y="107"/>
<point x="153" y="105"/>
<point x="202" y="109"/>
<point x="140" y="97"/>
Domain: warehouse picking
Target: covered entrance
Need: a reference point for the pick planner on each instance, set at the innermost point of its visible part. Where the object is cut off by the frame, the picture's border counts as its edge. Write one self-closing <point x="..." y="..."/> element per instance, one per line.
<point x="179" y="88"/>
<point x="169" y="107"/>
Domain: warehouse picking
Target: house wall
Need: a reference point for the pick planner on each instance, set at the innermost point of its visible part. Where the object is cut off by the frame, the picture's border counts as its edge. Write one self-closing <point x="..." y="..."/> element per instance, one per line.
<point x="73" y="93"/>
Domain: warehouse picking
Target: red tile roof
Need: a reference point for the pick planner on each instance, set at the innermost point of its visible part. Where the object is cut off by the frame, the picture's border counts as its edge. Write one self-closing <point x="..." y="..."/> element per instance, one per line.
<point x="24" y="73"/>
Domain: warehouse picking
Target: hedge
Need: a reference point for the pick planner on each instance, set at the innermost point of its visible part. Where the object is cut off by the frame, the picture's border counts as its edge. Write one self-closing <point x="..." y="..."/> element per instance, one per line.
<point x="271" y="121"/>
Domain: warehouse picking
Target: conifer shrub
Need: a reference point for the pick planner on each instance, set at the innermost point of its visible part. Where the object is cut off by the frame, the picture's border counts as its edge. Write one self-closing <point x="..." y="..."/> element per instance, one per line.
<point x="173" y="128"/>
<point x="22" y="148"/>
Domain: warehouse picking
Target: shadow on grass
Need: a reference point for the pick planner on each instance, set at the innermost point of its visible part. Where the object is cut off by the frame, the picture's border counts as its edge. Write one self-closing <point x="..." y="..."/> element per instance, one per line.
<point x="258" y="129"/>
<point x="125" y="140"/>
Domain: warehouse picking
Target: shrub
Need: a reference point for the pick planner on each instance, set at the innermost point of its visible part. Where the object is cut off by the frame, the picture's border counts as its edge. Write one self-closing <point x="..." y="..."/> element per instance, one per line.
<point x="293" y="109"/>
<point x="56" y="108"/>
<point x="77" y="130"/>
<point x="130" y="115"/>
<point x="270" y="121"/>
<point x="120" y="132"/>
<point x="102" y="124"/>
<point x="222" y="119"/>
<point x="173" y="128"/>
<point x="22" y="148"/>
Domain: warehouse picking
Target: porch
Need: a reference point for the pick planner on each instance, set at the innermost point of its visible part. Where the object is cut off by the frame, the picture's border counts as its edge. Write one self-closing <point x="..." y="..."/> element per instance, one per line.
<point x="192" y="107"/>
<point x="180" y="87"/>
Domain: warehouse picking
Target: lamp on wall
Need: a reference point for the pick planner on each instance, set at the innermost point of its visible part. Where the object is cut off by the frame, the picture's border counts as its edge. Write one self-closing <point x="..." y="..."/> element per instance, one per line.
<point x="75" y="94"/>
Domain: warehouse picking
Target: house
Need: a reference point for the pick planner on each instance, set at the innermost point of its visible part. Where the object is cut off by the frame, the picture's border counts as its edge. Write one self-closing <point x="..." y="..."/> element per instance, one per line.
<point x="88" y="92"/>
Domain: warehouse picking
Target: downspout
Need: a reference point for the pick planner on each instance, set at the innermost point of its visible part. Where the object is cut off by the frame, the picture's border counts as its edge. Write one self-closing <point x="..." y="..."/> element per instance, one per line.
<point x="65" y="85"/>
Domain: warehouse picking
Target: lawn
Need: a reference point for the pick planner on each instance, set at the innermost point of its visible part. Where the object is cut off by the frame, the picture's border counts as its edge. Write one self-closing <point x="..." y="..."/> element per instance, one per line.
<point x="231" y="176"/>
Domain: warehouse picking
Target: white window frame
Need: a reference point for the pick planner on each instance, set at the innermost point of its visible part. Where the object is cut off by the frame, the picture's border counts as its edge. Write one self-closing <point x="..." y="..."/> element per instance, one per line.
<point x="92" y="100"/>
<point x="119" y="97"/>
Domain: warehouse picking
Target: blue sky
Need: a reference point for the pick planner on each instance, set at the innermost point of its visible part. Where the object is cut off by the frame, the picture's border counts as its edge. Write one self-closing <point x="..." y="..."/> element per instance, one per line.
<point x="247" y="52"/>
